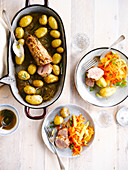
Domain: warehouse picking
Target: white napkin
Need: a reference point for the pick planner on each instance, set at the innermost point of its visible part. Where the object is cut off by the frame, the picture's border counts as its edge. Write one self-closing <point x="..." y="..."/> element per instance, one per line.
<point x="3" y="48"/>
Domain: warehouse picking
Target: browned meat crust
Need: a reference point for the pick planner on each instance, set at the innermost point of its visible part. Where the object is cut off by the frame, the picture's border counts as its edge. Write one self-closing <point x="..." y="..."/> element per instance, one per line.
<point x="37" y="50"/>
<point x="89" y="82"/>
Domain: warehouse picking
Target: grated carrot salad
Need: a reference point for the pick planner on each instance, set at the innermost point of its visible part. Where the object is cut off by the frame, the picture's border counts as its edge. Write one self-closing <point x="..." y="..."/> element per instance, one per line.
<point x="115" y="69"/>
<point x="79" y="134"/>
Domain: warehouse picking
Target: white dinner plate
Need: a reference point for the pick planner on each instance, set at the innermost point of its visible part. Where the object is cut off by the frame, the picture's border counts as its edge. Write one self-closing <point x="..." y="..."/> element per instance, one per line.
<point x="73" y="109"/>
<point x="90" y="96"/>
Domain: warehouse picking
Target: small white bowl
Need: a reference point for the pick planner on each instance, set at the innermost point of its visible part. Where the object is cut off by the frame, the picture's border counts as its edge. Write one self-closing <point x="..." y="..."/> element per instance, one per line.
<point x="4" y="132"/>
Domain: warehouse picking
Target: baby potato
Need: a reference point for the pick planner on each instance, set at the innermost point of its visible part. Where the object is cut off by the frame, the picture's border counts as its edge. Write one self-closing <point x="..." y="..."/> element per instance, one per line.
<point x="43" y="20"/>
<point x="19" y="32"/>
<point x="38" y="83"/>
<point x="19" y="60"/>
<point x="34" y="99"/>
<point x="55" y="33"/>
<point x="60" y="50"/>
<point x="51" y="79"/>
<point x="52" y="23"/>
<point x="31" y="69"/>
<point x="56" y="43"/>
<point x="101" y="82"/>
<point x="22" y="41"/>
<point x="64" y="112"/>
<point x="56" y="69"/>
<point x="58" y="120"/>
<point x="29" y="89"/>
<point x="23" y="75"/>
<point x="25" y="21"/>
<point x="56" y="58"/>
<point x="40" y="32"/>
<point x="107" y="91"/>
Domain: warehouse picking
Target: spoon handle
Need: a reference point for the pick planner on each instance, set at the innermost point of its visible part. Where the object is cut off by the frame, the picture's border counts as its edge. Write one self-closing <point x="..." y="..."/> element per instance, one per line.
<point x="122" y="37"/>
<point x="7" y="20"/>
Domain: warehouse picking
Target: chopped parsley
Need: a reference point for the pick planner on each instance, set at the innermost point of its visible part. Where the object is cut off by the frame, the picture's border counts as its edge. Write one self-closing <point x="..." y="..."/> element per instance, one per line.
<point x="71" y="121"/>
<point x="71" y="147"/>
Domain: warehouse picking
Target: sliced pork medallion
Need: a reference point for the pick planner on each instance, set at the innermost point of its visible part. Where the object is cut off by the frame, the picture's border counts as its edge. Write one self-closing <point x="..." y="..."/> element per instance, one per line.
<point x="95" y="73"/>
<point x="62" y="142"/>
<point x="38" y="51"/>
<point x="45" y="70"/>
<point x="89" y="82"/>
<point x="63" y="132"/>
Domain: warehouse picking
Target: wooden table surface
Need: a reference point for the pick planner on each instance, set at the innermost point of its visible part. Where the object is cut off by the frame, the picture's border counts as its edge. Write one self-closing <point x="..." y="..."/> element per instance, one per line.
<point x="103" y="22"/>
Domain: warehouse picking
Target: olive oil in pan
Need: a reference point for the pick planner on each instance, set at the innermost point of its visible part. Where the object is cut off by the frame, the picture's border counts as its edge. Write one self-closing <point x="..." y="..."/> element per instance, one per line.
<point x="11" y="116"/>
<point x="48" y="91"/>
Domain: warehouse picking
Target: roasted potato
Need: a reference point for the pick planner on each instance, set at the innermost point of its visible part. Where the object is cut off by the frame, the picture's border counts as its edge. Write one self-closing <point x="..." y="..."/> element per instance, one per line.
<point x="55" y="33"/>
<point x="101" y="82"/>
<point x="60" y="50"/>
<point x="38" y="83"/>
<point x="107" y="91"/>
<point x="51" y="78"/>
<point x="40" y="32"/>
<point x="34" y="99"/>
<point x="19" y="32"/>
<point x="23" y="75"/>
<point x="56" y="43"/>
<point x="58" y="120"/>
<point x="19" y="60"/>
<point x="43" y="20"/>
<point x="56" y="58"/>
<point x="56" y="70"/>
<point x="52" y="23"/>
<point x="29" y="89"/>
<point x="25" y="21"/>
<point x="64" y="112"/>
<point x="31" y="69"/>
<point x="22" y="41"/>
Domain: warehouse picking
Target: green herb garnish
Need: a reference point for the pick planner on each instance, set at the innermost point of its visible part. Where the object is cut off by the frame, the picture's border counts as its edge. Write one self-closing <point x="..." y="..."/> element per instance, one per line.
<point x="123" y="85"/>
<point x="98" y="95"/>
<point x="92" y="88"/>
<point x="113" y="53"/>
<point x="107" y="63"/>
<point x="71" y="147"/>
<point x="61" y="68"/>
<point x="100" y="85"/>
<point x="114" y="63"/>
<point x="113" y="59"/>
<point x="71" y="121"/>
<point x="123" y="80"/>
<point x="118" y="84"/>
<point x="23" y="76"/>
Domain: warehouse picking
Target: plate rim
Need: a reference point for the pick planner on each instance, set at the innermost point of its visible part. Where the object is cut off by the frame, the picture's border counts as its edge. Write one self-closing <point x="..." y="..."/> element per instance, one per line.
<point x="73" y="105"/>
<point x="75" y="79"/>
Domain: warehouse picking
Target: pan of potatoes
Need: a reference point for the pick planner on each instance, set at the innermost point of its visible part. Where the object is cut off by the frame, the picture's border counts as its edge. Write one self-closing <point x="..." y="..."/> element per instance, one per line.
<point x="37" y="78"/>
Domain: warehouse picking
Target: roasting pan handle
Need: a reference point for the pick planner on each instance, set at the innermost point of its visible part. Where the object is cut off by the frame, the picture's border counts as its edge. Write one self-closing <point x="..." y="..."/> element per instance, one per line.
<point x="35" y="117"/>
<point x="27" y="3"/>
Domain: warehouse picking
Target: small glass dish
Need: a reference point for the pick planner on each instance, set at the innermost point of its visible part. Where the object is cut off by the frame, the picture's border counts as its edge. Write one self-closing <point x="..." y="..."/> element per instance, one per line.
<point x="122" y="116"/>
<point x="104" y="119"/>
<point x="80" y="41"/>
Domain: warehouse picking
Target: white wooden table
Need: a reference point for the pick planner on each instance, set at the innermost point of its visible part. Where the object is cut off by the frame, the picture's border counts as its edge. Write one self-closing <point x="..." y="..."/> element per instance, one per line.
<point x="103" y="21"/>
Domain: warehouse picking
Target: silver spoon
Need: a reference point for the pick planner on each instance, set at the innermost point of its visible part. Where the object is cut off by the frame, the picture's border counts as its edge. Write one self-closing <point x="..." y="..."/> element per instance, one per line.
<point x="17" y="47"/>
<point x="5" y="121"/>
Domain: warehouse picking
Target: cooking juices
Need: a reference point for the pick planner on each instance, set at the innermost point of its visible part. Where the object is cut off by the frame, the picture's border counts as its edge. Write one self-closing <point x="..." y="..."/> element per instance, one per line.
<point x="11" y="116"/>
